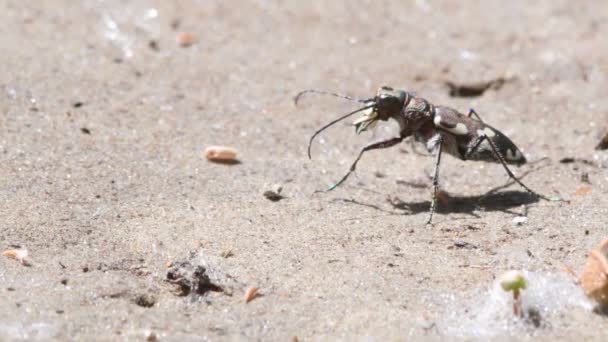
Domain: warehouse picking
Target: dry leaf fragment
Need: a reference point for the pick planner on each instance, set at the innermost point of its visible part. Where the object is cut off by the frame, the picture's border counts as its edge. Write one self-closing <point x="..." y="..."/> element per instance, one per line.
<point x="185" y="39"/>
<point x="220" y="153"/>
<point x="17" y="254"/>
<point x="594" y="278"/>
<point x="583" y="190"/>
<point x="226" y="254"/>
<point x="251" y="293"/>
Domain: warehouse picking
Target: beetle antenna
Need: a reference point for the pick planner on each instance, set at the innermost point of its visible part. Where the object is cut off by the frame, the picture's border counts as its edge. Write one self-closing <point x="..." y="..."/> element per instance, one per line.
<point x="333" y="122"/>
<point x="322" y="92"/>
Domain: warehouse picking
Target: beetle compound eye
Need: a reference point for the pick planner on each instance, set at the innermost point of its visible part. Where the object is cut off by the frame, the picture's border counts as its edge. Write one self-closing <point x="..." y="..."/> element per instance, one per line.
<point x="401" y="95"/>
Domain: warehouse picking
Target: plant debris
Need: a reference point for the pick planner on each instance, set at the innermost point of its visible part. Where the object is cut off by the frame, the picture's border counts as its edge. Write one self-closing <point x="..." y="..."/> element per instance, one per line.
<point x="226" y="254"/>
<point x="465" y="244"/>
<point x="583" y="190"/>
<point x="594" y="279"/>
<point x="221" y="154"/>
<point x="189" y="279"/>
<point x="185" y="39"/>
<point x="250" y="294"/>
<point x="514" y="281"/>
<point x="570" y="160"/>
<point x="18" y="254"/>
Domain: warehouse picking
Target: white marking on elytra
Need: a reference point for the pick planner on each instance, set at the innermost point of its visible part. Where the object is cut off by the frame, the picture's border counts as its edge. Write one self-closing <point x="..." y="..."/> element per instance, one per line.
<point x="513" y="154"/>
<point x="460" y="129"/>
<point x="437" y="120"/>
<point x="489" y="132"/>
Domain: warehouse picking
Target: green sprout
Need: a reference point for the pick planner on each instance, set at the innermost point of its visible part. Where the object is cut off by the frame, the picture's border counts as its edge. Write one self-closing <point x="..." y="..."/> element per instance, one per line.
<point x="514" y="281"/>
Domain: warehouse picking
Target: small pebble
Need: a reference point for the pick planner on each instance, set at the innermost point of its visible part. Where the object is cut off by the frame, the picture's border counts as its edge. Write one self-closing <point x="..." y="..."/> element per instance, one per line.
<point x="145" y="300"/>
<point x="150" y="336"/>
<point x="274" y="194"/>
<point x="519" y="220"/>
<point x="153" y="44"/>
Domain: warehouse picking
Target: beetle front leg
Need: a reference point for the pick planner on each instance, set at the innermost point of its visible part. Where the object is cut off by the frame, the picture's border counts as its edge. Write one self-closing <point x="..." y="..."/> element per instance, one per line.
<point x="372" y="146"/>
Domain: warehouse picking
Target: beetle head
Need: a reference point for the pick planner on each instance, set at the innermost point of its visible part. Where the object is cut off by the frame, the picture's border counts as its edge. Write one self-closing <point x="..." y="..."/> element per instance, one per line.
<point x="387" y="103"/>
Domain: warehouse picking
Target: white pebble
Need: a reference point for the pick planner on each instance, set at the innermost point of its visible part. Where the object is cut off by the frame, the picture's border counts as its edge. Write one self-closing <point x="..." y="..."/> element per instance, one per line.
<point x="519" y="220"/>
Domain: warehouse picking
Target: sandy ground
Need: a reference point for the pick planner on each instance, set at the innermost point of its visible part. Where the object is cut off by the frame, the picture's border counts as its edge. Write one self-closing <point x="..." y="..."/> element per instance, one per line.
<point x="104" y="117"/>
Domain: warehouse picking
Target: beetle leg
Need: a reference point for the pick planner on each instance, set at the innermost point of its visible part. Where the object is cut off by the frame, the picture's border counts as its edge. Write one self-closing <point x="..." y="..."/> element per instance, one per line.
<point x="371" y="146"/>
<point x="415" y="150"/>
<point x="472" y="112"/>
<point x="502" y="161"/>
<point x="436" y="177"/>
<point x="472" y="148"/>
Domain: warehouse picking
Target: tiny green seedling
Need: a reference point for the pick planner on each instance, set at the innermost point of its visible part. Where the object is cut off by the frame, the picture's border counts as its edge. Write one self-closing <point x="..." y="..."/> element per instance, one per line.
<point x="514" y="281"/>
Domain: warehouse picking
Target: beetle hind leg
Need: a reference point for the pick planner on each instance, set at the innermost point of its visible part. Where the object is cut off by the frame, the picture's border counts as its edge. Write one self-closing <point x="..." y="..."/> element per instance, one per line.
<point x="475" y="146"/>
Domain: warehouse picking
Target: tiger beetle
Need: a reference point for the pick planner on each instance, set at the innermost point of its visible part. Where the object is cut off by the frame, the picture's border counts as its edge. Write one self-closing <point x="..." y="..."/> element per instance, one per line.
<point x="441" y="129"/>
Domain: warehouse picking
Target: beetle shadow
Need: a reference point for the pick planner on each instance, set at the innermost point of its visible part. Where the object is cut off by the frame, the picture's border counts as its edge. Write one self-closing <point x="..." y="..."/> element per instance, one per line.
<point x="491" y="201"/>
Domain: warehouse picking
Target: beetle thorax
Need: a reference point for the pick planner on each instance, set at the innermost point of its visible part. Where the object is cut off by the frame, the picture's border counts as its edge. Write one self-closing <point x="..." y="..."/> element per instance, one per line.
<point x="416" y="113"/>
